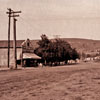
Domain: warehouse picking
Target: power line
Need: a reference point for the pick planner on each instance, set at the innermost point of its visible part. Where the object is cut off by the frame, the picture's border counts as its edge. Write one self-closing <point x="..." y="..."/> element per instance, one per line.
<point x="28" y="25"/>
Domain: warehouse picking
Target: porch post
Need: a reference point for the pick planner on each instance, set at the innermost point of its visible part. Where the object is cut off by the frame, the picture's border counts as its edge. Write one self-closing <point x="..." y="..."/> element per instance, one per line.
<point x="22" y="58"/>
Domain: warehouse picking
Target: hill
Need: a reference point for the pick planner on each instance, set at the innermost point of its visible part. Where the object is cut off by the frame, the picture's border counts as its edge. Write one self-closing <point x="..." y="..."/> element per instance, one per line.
<point x="82" y="45"/>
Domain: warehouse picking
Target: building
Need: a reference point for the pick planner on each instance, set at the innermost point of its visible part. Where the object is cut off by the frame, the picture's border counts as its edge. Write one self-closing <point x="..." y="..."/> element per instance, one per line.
<point x="4" y="51"/>
<point x="27" y="58"/>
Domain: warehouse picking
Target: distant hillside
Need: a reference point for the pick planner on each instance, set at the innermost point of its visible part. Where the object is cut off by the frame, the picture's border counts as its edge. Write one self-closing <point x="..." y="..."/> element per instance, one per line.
<point x="82" y="45"/>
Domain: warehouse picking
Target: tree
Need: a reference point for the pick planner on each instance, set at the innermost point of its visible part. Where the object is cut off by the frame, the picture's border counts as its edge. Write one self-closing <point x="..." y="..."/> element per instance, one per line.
<point x="55" y="51"/>
<point x="43" y="47"/>
<point x="43" y="43"/>
<point x="75" y="54"/>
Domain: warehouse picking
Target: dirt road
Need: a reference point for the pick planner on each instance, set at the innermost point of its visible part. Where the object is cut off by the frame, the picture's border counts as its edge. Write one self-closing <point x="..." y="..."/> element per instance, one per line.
<point x="71" y="82"/>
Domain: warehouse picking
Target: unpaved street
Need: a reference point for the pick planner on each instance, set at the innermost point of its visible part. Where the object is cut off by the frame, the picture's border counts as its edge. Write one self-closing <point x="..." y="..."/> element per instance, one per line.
<point x="71" y="82"/>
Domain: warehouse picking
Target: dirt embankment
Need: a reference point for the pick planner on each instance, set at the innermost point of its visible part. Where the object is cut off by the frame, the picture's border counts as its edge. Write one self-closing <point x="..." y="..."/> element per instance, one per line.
<point x="74" y="82"/>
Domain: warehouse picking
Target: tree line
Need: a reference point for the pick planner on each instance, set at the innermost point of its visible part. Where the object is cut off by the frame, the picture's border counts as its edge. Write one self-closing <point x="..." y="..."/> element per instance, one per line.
<point x="55" y="51"/>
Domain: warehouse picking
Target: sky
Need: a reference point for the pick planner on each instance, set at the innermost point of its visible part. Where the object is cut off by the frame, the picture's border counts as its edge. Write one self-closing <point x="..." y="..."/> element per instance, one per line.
<point x="63" y="18"/>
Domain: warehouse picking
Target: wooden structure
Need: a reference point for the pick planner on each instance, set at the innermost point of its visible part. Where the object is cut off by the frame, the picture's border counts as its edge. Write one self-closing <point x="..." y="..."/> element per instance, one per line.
<point x="28" y="58"/>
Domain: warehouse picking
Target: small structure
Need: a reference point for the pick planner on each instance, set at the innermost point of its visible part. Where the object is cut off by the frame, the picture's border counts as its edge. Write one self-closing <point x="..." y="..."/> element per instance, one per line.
<point x="27" y="57"/>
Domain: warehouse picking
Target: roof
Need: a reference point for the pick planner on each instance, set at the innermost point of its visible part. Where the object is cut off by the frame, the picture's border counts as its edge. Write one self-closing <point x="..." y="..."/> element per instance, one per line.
<point x="29" y="56"/>
<point x="4" y="43"/>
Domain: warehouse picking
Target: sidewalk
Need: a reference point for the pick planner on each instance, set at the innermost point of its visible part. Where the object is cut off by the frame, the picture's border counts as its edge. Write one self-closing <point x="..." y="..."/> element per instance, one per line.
<point x="6" y="68"/>
<point x="3" y="69"/>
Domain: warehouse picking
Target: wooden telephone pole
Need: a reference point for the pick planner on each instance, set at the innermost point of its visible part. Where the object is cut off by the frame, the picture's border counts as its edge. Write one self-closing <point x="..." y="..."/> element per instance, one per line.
<point x="9" y="15"/>
<point x="13" y="14"/>
<point x="14" y="44"/>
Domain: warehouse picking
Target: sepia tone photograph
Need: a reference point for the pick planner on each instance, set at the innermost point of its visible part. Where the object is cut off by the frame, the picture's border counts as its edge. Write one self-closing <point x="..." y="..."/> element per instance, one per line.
<point x="49" y="49"/>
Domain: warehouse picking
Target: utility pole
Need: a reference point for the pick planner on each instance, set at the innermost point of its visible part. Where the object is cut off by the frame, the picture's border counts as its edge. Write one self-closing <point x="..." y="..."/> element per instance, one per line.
<point x="12" y="14"/>
<point x="9" y="15"/>
<point x="14" y="35"/>
<point x="14" y="44"/>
